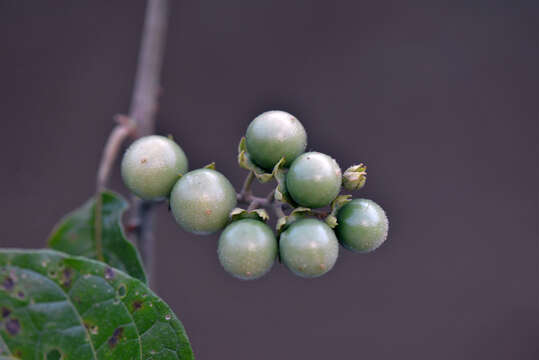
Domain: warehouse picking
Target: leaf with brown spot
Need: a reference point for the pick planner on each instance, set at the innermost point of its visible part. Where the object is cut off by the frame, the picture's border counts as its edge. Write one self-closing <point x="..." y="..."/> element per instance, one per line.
<point x="8" y="283"/>
<point x="116" y="337"/>
<point x="106" y="318"/>
<point x="5" y="312"/>
<point x="13" y="326"/>
<point x="137" y="304"/>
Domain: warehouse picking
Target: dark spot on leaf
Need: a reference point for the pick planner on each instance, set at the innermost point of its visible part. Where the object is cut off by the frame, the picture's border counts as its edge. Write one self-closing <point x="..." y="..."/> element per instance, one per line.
<point x="208" y="212"/>
<point x="20" y="294"/>
<point x="121" y="291"/>
<point x="8" y="283"/>
<point x="18" y="353"/>
<point x="5" y="312"/>
<point x="109" y="273"/>
<point x="116" y="336"/>
<point x="54" y="354"/>
<point x="137" y="304"/>
<point x="13" y="326"/>
<point x="67" y="276"/>
<point x="77" y="299"/>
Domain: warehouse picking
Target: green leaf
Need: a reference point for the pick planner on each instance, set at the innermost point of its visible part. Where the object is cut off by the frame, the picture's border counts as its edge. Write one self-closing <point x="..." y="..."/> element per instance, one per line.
<point x="354" y="177"/>
<point x="280" y="193"/>
<point x="75" y="235"/>
<point x="53" y="305"/>
<point x="256" y="214"/>
<point x="244" y="161"/>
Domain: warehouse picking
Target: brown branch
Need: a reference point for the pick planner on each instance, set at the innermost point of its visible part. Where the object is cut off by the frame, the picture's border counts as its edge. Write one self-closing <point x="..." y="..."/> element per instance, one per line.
<point x="124" y="128"/>
<point x="142" y="110"/>
<point x="142" y="120"/>
<point x="278" y="209"/>
<point x="245" y="193"/>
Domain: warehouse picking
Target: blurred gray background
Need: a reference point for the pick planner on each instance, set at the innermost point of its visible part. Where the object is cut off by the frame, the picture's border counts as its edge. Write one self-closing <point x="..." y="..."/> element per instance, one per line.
<point x="438" y="98"/>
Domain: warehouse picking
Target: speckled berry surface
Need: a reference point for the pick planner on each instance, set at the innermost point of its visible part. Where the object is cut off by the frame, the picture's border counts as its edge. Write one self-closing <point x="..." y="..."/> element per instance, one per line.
<point x="362" y="225"/>
<point x="309" y="248"/>
<point x="273" y="135"/>
<point x="202" y="200"/>
<point x="152" y="165"/>
<point x="247" y="249"/>
<point x="314" y="180"/>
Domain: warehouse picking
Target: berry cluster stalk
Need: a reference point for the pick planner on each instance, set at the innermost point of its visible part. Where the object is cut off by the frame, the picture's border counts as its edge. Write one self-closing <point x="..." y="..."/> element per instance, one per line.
<point x="140" y="122"/>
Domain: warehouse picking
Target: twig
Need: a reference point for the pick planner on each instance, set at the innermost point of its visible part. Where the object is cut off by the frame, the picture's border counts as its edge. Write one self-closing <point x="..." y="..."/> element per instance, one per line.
<point x="253" y="205"/>
<point x="142" y="120"/>
<point x="143" y="109"/>
<point x="121" y="131"/>
<point x="278" y="209"/>
<point x="245" y="193"/>
<point x="246" y="196"/>
<point x="124" y="128"/>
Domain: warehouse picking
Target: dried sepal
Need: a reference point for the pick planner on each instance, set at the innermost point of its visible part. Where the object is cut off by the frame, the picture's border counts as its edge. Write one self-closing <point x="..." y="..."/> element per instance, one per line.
<point x="281" y="223"/>
<point x="331" y="220"/>
<point x="354" y="177"/>
<point x="244" y="161"/>
<point x="284" y="222"/>
<point x="280" y="193"/>
<point x="336" y="204"/>
<point x="210" y="166"/>
<point x="256" y="214"/>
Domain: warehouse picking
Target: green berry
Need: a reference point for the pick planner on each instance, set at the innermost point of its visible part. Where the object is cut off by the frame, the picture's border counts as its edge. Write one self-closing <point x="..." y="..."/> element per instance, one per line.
<point x="273" y="135"/>
<point x="362" y="225"/>
<point x="309" y="248"/>
<point x="151" y="166"/>
<point x="202" y="200"/>
<point x="247" y="249"/>
<point x="314" y="180"/>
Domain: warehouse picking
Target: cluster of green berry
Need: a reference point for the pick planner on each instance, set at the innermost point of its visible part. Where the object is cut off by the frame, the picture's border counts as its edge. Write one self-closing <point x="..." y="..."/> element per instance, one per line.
<point x="203" y="201"/>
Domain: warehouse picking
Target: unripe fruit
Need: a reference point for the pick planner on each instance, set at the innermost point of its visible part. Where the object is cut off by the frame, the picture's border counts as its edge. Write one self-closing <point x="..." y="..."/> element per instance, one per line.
<point x="202" y="200"/>
<point x="151" y="166"/>
<point x="362" y="225"/>
<point x="247" y="249"/>
<point x="309" y="248"/>
<point x="273" y="135"/>
<point x="314" y="180"/>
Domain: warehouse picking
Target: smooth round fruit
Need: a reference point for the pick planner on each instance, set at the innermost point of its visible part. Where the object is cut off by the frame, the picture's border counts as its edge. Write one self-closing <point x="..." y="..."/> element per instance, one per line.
<point x="247" y="249"/>
<point x="202" y="200"/>
<point x="272" y="135"/>
<point x="151" y="166"/>
<point x="362" y="225"/>
<point x="314" y="180"/>
<point x="309" y="248"/>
